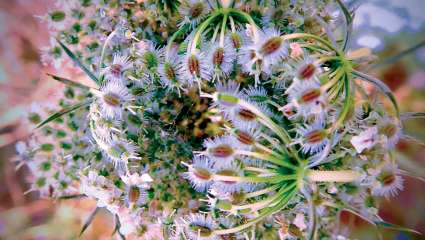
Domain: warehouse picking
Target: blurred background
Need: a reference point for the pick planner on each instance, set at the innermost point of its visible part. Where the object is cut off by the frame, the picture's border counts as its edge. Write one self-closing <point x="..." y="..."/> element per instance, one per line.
<point x="387" y="27"/>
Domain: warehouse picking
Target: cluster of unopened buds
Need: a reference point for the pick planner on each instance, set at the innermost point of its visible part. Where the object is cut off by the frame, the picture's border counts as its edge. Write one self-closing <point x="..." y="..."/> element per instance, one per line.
<point x="299" y="138"/>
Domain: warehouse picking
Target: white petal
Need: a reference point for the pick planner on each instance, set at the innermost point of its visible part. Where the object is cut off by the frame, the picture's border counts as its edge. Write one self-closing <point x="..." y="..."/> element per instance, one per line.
<point x="146" y="177"/>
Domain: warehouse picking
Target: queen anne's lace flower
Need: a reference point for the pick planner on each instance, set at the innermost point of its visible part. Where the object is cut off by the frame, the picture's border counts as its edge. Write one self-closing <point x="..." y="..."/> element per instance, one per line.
<point x="247" y="112"/>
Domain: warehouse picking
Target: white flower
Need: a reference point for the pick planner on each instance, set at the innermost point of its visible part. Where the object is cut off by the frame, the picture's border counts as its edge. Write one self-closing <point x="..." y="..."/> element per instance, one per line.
<point x="266" y="50"/>
<point x="388" y="181"/>
<point x="313" y="138"/>
<point x="200" y="227"/>
<point x="169" y="71"/>
<point x="309" y="99"/>
<point x="221" y="150"/>
<point x="194" y="67"/>
<point x="149" y="55"/>
<point x="113" y="97"/>
<point x="390" y="132"/>
<point x="247" y="135"/>
<point x="365" y="140"/>
<point x="226" y="97"/>
<point x="120" y="64"/>
<point x="220" y="59"/>
<point x="228" y="186"/>
<point x="136" y="179"/>
<point x="193" y="11"/>
<point x="200" y="173"/>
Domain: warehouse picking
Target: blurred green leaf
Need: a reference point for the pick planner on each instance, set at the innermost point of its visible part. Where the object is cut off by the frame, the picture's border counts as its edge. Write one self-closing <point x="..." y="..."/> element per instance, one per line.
<point x="89" y="221"/>
<point x="79" y="63"/>
<point x="398" y="56"/>
<point x="65" y="111"/>
<point x="412" y="115"/>
<point x="391" y="226"/>
<point x="68" y="82"/>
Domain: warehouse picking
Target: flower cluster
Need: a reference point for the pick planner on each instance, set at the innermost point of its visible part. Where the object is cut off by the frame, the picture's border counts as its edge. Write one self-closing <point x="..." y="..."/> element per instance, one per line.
<point x="251" y="113"/>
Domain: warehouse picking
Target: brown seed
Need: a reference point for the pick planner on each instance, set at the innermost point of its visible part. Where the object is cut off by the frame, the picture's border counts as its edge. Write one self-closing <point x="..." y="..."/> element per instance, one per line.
<point x="315" y="136"/>
<point x="389" y="130"/>
<point x="112" y="99"/>
<point x="247" y="115"/>
<point x="271" y="45"/>
<point x="244" y="138"/>
<point x="222" y="151"/>
<point x="193" y="63"/>
<point x="310" y="95"/>
<point x="203" y="231"/>
<point x="218" y="57"/>
<point x="133" y="194"/>
<point x="307" y="71"/>
<point x="202" y="174"/>
<point x="196" y="10"/>
<point x="115" y="69"/>
<point x="169" y="72"/>
<point x="236" y="40"/>
<point x="387" y="178"/>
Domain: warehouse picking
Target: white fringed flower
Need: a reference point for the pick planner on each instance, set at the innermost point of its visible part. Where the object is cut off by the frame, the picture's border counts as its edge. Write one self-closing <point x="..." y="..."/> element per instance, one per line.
<point x="221" y="150"/>
<point x="112" y="98"/>
<point x="194" y="68"/>
<point x="169" y="71"/>
<point x="365" y="140"/>
<point x="390" y="132"/>
<point x="200" y="173"/>
<point x="220" y="59"/>
<point x="388" y="181"/>
<point x="119" y="65"/>
<point x="193" y="11"/>
<point x="200" y="227"/>
<point x="266" y="50"/>
<point x="313" y="138"/>
<point x="309" y="99"/>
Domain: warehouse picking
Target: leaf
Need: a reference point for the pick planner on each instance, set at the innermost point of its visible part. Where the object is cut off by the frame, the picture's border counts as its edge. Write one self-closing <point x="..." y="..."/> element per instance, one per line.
<point x="79" y="63"/>
<point x="381" y="86"/>
<point x="398" y="56"/>
<point x="395" y="227"/>
<point x="411" y="115"/>
<point x="89" y="221"/>
<point x="64" y="111"/>
<point x="117" y="228"/>
<point x="71" y="196"/>
<point x="415" y="169"/>
<point x="68" y="82"/>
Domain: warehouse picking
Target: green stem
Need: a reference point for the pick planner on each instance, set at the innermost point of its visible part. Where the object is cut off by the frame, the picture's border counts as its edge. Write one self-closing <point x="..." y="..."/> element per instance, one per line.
<point x="232" y="24"/>
<point x="333" y="176"/>
<point x="248" y="18"/>
<point x="255" y="179"/>
<point x="265" y="202"/>
<point x="201" y="29"/>
<point x="347" y="103"/>
<point x="319" y="39"/>
<point x="262" y="191"/>
<point x="339" y="73"/>
<point x="268" y="158"/>
<point x="215" y="33"/>
<point x="183" y="29"/>
<point x="223" y="29"/>
<point x="264" y="214"/>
